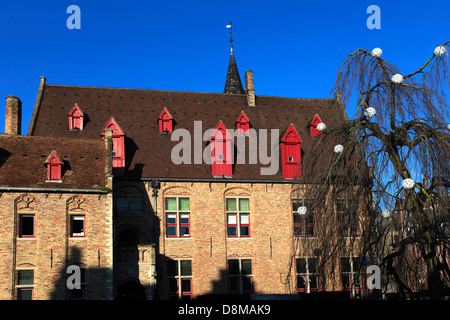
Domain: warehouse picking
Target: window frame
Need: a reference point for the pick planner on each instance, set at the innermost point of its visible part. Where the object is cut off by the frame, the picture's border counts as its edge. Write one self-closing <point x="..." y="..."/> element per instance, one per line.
<point x="76" y="217"/>
<point x="26" y="215"/>
<point x="352" y="275"/>
<point x="240" y="276"/>
<point x="179" y="278"/>
<point x="348" y="221"/>
<point x="129" y="210"/>
<point x="304" y="221"/>
<point x="238" y="213"/>
<point x="179" y="226"/>
<point x="307" y="275"/>
<point x="26" y="286"/>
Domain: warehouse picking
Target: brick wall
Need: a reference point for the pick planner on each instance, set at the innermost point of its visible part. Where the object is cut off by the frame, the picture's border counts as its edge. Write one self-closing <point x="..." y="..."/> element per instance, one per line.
<point x="51" y="249"/>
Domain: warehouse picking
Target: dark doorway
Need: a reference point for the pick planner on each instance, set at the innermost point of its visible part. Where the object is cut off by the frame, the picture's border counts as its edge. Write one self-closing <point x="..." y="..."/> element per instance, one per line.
<point x="131" y="290"/>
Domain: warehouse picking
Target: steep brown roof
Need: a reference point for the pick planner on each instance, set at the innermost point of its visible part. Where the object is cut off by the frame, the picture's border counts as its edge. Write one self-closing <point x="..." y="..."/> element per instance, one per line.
<point x="148" y="153"/>
<point x="22" y="162"/>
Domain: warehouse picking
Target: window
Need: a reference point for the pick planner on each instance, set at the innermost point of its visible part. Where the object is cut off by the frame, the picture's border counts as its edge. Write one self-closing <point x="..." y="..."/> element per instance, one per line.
<point x="348" y="220"/>
<point x="26" y="226"/>
<point x="314" y="132"/>
<point x="240" y="276"/>
<point x="221" y="152"/>
<point x="307" y="274"/>
<point x="165" y="121"/>
<point x="76" y="118"/>
<point x="77" y="226"/>
<point x="243" y="124"/>
<point x="303" y="225"/>
<point x="128" y="204"/>
<point x="54" y="166"/>
<point x="79" y="294"/>
<point x="351" y="275"/>
<point x="25" y="284"/>
<point x="291" y="154"/>
<point x="238" y="217"/>
<point x="179" y="277"/>
<point x="177" y="217"/>
<point x="118" y="139"/>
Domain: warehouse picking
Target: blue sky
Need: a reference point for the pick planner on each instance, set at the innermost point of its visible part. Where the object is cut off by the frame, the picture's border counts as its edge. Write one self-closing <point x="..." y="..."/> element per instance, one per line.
<point x="293" y="47"/>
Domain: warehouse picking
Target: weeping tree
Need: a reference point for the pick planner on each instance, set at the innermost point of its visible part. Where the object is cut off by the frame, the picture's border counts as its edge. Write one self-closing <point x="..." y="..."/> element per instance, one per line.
<point x="382" y="187"/>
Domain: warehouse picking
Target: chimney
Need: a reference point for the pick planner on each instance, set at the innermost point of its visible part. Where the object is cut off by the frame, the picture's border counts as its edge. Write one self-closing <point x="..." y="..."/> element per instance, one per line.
<point x="250" y="88"/>
<point x="109" y="150"/>
<point x="13" y="115"/>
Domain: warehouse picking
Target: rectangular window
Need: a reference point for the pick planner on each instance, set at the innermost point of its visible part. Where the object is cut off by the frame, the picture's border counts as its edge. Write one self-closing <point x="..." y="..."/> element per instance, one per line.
<point x="240" y="276"/>
<point x="129" y="204"/>
<point x="77" y="226"/>
<point x="177" y="217"/>
<point x="25" y="284"/>
<point x="238" y="217"/>
<point x="179" y="278"/>
<point x="348" y="220"/>
<point x="307" y="274"/>
<point x="304" y="225"/>
<point x="26" y="227"/>
<point x="351" y="275"/>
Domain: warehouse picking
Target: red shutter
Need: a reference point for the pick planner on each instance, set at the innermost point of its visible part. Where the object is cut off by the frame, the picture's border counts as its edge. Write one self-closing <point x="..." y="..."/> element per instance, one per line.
<point x="54" y="166"/>
<point x="243" y="124"/>
<point x="221" y="153"/>
<point x="118" y="138"/>
<point x="165" y="121"/>
<point x="314" y="132"/>
<point x="76" y="118"/>
<point x="291" y="154"/>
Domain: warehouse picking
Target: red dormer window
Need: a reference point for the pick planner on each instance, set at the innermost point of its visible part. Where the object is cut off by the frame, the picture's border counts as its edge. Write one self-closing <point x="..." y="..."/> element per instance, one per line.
<point x="76" y="118"/>
<point x="165" y="121"/>
<point x="315" y="133"/>
<point x="243" y="124"/>
<point x="118" y="138"/>
<point x="54" y="166"/>
<point x="291" y="154"/>
<point x="221" y="156"/>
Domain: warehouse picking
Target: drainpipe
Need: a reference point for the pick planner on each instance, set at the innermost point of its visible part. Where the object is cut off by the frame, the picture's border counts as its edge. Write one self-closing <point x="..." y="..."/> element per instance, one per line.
<point x="155" y="184"/>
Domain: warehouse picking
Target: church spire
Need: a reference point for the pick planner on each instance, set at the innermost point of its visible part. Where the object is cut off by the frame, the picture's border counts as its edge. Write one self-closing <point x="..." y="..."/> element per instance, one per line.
<point x="233" y="82"/>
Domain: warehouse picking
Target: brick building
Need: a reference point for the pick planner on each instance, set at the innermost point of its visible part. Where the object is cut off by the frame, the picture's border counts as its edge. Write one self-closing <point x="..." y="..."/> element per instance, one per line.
<point x="206" y="187"/>
<point x="56" y="211"/>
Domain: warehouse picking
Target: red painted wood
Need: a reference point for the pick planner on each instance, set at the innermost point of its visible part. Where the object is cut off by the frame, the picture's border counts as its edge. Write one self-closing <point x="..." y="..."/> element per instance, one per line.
<point x="291" y="154"/>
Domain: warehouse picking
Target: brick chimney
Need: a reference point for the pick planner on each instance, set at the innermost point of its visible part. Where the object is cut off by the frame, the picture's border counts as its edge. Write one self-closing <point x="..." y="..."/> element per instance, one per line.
<point x="13" y="115"/>
<point x="109" y="150"/>
<point x="250" y="88"/>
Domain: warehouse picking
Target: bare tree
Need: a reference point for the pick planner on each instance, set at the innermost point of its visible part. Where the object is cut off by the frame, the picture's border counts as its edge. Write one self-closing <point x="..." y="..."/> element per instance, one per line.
<point x="381" y="180"/>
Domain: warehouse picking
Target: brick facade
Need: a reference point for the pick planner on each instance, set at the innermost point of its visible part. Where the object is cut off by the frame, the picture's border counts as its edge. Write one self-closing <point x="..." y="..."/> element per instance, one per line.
<point x="52" y="249"/>
<point x="271" y="246"/>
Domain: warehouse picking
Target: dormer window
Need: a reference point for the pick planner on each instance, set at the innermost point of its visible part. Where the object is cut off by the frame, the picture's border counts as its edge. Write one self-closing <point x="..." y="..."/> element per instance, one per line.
<point x="316" y="132"/>
<point x="221" y="155"/>
<point x="243" y="124"/>
<point x="118" y="139"/>
<point x="165" y="121"/>
<point x="291" y="154"/>
<point x="76" y="118"/>
<point x="54" y="166"/>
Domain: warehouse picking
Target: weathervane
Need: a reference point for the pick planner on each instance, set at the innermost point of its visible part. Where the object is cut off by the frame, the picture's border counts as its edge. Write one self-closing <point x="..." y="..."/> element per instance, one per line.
<point x="228" y="26"/>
